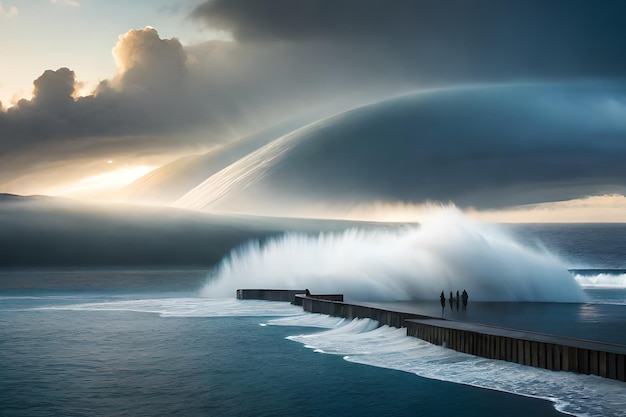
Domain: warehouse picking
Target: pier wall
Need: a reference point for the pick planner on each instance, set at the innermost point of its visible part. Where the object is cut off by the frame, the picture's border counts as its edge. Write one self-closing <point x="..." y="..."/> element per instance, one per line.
<point x="268" y="295"/>
<point x="352" y="311"/>
<point x="527" y="348"/>
<point x="283" y="295"/>
<point x="298" y="299"/>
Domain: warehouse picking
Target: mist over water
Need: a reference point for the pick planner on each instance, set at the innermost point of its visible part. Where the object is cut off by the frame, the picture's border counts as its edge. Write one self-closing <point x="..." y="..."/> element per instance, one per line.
<point x="447" y="251"/>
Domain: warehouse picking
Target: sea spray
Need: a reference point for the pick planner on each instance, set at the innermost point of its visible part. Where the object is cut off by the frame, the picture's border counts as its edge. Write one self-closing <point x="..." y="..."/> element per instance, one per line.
<point x="447" y="251"/>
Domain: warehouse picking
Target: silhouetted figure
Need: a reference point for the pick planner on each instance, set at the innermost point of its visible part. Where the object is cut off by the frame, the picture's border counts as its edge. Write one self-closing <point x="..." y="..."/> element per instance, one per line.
<point x="442" y="298"/>
<point x="451" y="301"/>
<point x="465" y="297"/>
<point x="458" y="300"/>
<point x="307" y="292"/>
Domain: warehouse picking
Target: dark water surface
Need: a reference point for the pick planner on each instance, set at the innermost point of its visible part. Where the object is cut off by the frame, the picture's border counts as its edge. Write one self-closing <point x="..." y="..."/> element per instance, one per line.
<point x="103" y="342"/>
<point x="103" y="363"/>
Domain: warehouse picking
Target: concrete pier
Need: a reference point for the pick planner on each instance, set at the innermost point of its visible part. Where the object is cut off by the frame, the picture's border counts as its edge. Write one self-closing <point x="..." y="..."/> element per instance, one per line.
<point x="268" y="295"/>
<point x="527" y="348"/>
<point x="352" y="311"/>
<point x="328" y="297"/>
<point x="283" y="295"/>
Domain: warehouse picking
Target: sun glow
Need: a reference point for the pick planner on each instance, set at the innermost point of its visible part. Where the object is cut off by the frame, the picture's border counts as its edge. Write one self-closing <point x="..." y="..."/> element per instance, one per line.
<point x="594" y="209"/>
<point x="609" y="208"/>
<point x="105" y="184"/>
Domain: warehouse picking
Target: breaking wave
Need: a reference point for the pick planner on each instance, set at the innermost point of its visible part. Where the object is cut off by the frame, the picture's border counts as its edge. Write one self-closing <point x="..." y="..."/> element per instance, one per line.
<point x="448" y="251"/>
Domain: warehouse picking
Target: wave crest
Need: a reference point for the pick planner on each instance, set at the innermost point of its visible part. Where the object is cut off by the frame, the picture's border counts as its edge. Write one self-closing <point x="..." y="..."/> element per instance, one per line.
<point x="448" y="252"/>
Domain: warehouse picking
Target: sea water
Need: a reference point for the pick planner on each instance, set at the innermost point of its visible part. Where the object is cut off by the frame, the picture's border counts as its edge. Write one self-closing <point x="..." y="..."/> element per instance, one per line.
<point x="146" y="342"/>
<point x="108" y="353"/>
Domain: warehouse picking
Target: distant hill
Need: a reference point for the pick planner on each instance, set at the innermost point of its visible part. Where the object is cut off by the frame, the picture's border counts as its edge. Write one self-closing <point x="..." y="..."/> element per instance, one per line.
<point x="62" y="233"/>
<point x="14" y="198"/>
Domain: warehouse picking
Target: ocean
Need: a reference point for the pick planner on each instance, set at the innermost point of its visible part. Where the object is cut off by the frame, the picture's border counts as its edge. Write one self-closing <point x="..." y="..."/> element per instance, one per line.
<point x="158" y="341"/>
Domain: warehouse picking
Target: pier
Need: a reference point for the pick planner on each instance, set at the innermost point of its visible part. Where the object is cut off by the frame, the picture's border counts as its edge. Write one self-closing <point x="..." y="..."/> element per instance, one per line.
<point x="539" y="350"/>
<point x="268" y="295"/>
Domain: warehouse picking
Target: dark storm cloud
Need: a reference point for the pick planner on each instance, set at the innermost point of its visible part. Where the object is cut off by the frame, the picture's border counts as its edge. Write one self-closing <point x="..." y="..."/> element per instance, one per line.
<point x="142" y="98"/>
<point x="485" y="147"/>
<point x="222" y="90"/>
<point x="51" y="103"/>
<point x="54" y="89"/>
<point x="529" y="38"/>
<point x="293" y="56"/>
<point x="155" y="96"/>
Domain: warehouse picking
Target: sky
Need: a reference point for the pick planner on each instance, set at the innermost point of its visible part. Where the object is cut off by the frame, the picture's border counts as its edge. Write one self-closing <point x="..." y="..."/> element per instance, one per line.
<point x="43" y="34"/>
<point x="95" y="94"/>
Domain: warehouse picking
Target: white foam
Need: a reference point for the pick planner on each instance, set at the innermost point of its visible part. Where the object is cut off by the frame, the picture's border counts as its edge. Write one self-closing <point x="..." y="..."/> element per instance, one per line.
<point x="606" y="281"/>
<point x="189" y="307"/>
<point x="321" y="321"/>
<point x="446" y="252"/>
<point x="361" y="342"/>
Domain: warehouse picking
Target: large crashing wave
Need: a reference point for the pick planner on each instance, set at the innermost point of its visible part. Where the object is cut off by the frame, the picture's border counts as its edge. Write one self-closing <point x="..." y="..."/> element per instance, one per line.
<point x="446" y="252"/>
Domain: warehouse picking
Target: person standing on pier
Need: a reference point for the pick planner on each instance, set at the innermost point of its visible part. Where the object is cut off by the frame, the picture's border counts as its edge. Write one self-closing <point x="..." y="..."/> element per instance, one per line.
<point x="451" y="301"/>
<point x="465" y="297"/>
<point x="442" y="298"/>
<point x="458" y="300"/>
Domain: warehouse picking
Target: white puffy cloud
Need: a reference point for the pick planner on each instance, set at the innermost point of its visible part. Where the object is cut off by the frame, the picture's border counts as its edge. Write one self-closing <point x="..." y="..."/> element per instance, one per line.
<point x="143" y="58"/>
